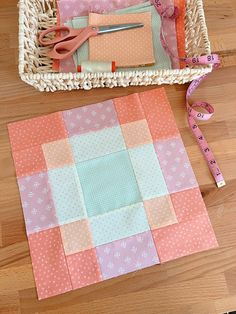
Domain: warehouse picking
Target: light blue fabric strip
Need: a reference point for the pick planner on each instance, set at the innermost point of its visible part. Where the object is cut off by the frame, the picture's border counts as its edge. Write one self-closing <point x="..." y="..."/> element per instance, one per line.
<point x="96" y="144"/>
<point x="148" y="172"/>
<point x="67" y="194"/>
<point x="118" y="224"/>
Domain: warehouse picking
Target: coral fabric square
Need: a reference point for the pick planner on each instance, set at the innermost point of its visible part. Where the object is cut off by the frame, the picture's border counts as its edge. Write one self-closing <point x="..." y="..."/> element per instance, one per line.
<point x="158" y="113"/>
<point x="76" y="236"/>
<point x="108" y="183"/>
<point x="148" y="171"/>
<point x="129" y="108"/>
<point x="58" y="154"/>
<point x="29" y="161"/>
<point x="67" y="194"/>
<point x="37" y="203"/>
<point x="175" y="165"/>
<point x="127" y="255"/>
<point x="118" y="224"/>
<point x="36" y="131"/>
<point x="90" y="118"/>
<point x="184" y="238"/>
<point x="49" y="263"/>
<point x="84" y="268"/>
<point x="97" y="144"/>
<point x="136" y="133"/>
<point x="160" y="212"/>
<point x="188" y="204"/>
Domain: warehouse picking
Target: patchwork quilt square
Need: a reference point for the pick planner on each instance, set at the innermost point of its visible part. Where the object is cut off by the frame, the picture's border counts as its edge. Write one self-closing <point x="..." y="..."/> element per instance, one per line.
<point x="106" y="189"/>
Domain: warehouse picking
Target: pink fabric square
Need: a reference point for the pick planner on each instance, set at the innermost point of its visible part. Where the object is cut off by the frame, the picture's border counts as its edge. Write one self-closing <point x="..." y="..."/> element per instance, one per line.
<point x="58" y="154"/>
<point x="175" y="165"/>
<point x="136" y="133"/>
<point x="49" y="263"/>
<point x="37" y="203"/>
<point x="160" y="212"/>
<point x="127" y="255"/>
<point x="76" y="236"/>
<point x="184" y="238"/>
<point x="188" y="204"/>
<point x="90" y="118"/>
<point x="84" y="268"/>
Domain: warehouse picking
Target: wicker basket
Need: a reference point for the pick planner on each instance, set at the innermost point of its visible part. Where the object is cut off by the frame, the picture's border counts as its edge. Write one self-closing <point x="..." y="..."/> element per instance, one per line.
<point x="35" y="68"/>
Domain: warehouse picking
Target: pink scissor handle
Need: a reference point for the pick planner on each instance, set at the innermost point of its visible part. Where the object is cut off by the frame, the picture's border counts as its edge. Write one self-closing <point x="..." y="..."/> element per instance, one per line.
<point x="65" y="49"/>
<point x="69" y="33"/>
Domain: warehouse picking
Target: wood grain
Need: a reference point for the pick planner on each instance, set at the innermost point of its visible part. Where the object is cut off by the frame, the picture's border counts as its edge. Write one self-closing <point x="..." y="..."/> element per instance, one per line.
<point x="203" y="283"/>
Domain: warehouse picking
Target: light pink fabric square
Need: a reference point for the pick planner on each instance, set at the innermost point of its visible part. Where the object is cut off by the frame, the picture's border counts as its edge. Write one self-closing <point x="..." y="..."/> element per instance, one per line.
<point x="175" y="165"/>
<point x="90" y="118"/>
<point x="37" y="202"/>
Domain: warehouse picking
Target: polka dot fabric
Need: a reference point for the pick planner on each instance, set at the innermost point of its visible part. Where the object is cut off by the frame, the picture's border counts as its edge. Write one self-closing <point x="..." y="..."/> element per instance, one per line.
<point x="36" y="131"/>
<point x="158" y="113"/>
<point x="136" y="133"/>
<point x="49" y="263"/>
<point x="84" y="268"/>
<point x="29" y="161"/>
<point x="58" y="154"/>
<point x="106" y="189"/>
<point x="130" y="49"/>
<point x="184" y="238"/>
<point x="129" y="108"/>
<point x="76" y="236"/>
<point x="160" y="212"/>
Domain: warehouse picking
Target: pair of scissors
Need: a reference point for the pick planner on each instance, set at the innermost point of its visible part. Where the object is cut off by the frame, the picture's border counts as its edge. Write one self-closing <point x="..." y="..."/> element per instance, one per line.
<point x="70" y="39"/>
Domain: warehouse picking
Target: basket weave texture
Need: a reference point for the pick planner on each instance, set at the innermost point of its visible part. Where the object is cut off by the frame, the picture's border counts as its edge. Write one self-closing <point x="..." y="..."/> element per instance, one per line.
<point x="35" y="67"/>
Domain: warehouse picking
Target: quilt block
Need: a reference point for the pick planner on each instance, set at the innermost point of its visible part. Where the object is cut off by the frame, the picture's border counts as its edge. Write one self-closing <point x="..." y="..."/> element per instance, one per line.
<point x="106" y="189"/>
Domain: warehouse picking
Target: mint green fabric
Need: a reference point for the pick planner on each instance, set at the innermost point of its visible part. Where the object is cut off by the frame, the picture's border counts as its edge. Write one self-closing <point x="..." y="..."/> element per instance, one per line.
<point x="119" y="224"/>
<point x="162" y="59"/>
<point x="108" y="183"/>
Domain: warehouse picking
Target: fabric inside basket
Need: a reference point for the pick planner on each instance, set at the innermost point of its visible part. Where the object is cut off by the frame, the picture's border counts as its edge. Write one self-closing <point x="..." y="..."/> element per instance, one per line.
<point x="74" y="12"/>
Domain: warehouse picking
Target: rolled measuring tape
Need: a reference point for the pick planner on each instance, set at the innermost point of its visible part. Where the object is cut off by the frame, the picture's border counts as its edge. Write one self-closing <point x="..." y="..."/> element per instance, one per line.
<point x="96" y="66"/>
<point x="172" y="12"/>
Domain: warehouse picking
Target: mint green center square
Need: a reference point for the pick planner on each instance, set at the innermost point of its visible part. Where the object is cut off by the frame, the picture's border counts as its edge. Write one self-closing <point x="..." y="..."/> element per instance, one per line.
<point x="108" y="183"/>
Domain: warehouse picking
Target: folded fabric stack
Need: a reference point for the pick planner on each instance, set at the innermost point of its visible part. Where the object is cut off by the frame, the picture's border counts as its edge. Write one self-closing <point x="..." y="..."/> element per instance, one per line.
<point x="138" y="49"/>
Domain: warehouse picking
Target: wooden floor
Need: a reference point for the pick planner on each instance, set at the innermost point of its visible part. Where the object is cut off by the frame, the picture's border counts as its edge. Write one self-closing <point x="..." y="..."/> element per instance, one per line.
<point x="198" y="284"/>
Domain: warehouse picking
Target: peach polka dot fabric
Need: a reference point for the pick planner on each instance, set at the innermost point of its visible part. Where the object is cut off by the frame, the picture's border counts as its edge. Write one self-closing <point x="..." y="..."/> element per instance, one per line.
<point x="84" y="269"/>
<point x="128" y="49"/>
<point x="136" y="133"/>
<point x="160" y="212"/>
<point x="58" y="154"/>
<point x="106" y="189"/>
<point x="76" y="236"/>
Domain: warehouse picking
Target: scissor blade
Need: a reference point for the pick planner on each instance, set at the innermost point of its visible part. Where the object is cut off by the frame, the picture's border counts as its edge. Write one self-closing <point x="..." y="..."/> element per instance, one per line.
<point x="119" y="27"/>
